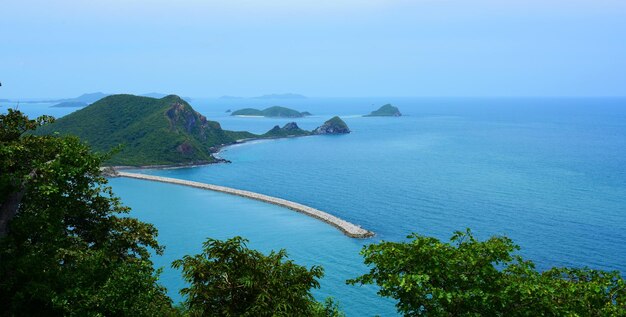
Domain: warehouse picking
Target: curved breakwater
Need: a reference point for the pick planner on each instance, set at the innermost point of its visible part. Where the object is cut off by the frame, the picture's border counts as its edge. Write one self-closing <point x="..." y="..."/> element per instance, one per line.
<point x="346" y="227"/>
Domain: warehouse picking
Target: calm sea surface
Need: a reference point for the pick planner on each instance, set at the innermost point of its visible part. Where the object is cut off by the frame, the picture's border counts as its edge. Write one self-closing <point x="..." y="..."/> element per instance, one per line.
<point x="549" y="173"/>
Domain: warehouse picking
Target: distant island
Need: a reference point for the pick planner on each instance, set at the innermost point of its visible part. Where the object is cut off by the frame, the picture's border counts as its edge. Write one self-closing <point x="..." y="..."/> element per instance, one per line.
<point x="84" y="98"/>
<point x="281" y="96"/>
<point x="274" y="112"/>
<point x="159" y="95"/>
<point x="385" y="111"/>
<point x="269" y="96"/>
<point x="165" y="131"/>
<point x="71" y="104"/>
<point x="230" y="97"/>
<point x="87" y="98"/>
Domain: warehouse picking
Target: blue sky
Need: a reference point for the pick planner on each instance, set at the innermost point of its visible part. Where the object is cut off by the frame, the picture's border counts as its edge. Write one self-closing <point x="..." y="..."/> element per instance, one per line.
<point x="316" y="48"/>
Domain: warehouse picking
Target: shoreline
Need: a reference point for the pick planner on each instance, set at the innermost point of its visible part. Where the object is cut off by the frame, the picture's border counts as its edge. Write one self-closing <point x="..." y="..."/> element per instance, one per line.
<point x="218" y="160"/>
<point x="347" y="228"/>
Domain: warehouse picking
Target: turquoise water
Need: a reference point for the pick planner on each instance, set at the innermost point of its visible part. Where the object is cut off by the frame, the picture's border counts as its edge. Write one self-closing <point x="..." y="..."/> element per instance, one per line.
<point x="549" y="173"/>
<point x="186" y="216"/>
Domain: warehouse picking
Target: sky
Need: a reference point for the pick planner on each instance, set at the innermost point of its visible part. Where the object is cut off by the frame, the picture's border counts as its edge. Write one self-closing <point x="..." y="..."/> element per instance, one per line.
<point x="319" y="48"/>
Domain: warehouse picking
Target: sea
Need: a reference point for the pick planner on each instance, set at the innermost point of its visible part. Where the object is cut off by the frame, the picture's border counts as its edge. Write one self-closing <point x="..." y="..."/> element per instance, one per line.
<point x="549" y="173"/>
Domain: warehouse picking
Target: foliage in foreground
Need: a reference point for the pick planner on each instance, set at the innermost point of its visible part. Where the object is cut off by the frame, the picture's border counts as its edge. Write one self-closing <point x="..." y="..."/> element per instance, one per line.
<point x="65" y="247"/>
<point x="467" y="277"/>
<point x="228" y="279"/>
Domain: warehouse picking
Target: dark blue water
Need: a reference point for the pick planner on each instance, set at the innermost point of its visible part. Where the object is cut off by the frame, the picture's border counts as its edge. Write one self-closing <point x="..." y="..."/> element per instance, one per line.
<point x="549" y="173"/>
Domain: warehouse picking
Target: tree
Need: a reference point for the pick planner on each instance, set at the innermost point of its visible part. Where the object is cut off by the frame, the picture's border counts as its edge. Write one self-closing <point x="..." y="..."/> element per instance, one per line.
<point x="467" y="277"/>
<point x="228" y="279"/>
<point x="65" y="247"/>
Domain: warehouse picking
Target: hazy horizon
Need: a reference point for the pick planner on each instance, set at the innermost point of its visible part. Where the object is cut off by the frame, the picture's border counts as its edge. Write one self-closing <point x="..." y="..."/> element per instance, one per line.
<point x="346" y="48"/>
<point x="287" y="100"/>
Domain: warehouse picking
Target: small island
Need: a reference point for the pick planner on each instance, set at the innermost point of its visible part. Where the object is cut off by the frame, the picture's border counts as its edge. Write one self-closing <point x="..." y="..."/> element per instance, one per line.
<point x="333" y="126"/>
<point x="71" y="104"/>
<point x="385" y="111"/>
<point x="272" y="112"/>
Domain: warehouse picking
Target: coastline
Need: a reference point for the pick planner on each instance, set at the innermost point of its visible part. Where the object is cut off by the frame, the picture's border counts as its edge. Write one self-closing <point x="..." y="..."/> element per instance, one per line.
<point x="218" y="160"/>
<point x="347" y="228"/>
<point x="107" y="169"/>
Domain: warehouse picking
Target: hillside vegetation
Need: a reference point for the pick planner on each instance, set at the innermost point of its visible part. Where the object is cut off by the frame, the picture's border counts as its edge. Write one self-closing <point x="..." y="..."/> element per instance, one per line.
<point x="152" y="131"/>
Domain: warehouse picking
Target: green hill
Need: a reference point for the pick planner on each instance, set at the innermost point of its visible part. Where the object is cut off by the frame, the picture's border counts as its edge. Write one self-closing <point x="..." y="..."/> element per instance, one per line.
<point x="152" y="131"/>
<point x="385" y="111"/>
<point x="276" y="112"/>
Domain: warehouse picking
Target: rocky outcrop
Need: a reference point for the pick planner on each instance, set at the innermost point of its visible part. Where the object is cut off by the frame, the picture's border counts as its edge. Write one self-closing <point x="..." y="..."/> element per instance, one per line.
<point x="185" y="148"/>
<point x="185" y="119"/>
<point x="333" y="126"/>
<point x="291" y="126"/>
<point x="289" y="129"/>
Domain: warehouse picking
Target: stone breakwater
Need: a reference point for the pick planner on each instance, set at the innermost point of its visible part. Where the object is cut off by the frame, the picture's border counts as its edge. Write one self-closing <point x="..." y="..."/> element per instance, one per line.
<point x="347" y="228"/>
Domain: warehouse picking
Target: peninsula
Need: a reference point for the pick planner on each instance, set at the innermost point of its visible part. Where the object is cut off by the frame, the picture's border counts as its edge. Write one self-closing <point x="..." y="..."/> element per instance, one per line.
<point x="385" y="111"/>
<point x="272" y="112"/>
<point x="345" y="227"/>
<point x="152" y="131"/>
<point x="161" y="132"/>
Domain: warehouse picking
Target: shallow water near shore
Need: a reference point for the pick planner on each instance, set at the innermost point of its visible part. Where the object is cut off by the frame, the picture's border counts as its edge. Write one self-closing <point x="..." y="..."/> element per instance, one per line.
<point x="187" y="216"/>
<point x="549" y="173"/>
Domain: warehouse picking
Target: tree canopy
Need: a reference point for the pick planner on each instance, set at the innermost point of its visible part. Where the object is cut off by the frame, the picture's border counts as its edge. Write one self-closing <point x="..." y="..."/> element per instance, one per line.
<point x="66" y="248"/>
<point x="229" y="279"/>
<point x="467" y="277"/>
